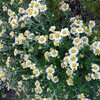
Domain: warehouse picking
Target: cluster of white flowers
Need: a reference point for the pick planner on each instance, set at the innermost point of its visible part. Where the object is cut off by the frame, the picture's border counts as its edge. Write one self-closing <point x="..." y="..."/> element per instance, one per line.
<point x="77" y="27"/>
<point x="50" y="74"/>
<point x="28" y="64"/>
<point x="38" y="88"/>
<point x="23" y="36"/>
<point x="95" y="70"/>
<point x="96" y="47"/>
<point x="57" y="36"/>
<point x="34" y="8"/>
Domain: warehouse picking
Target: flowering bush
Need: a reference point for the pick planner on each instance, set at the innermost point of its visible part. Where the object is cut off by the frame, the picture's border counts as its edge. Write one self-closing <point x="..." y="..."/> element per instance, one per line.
<point x="46" y="53"/>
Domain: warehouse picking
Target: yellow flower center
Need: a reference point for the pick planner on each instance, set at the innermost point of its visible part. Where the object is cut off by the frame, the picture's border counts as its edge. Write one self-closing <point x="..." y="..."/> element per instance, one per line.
<point x="57" y="35"/>
<point x="42" y="39"/>
<point x="97" y="51"/>
<point x="78" y="22"/>
<point x="73" y="50"/>
<point x="50" y="71"/>
<point x="74" y="65"/>
<point x="33" y="66"/>
<point x="55" y="79"/>
<point x="95" y="68"/>
<point x="66" y="60"/>
<point x="64" y="6"/>
<point x="50" y="76"/>
<point x="42" y="8"/>
<point x="84" y="39"/>
<point x="38" y="90"/>
<point x="32" y="3"/>
<point x="30" y="12"/>
<point x="73" y="25"/>
<point x="83" y="26"/>
<point x="70" y="81"/>
<point x="37" y="84"/>
<point x="36" y="72"/>
<point x="36" y="5"/>
<point x="76" y="40"/>
<point x="81" y="96"/>
<point x="72" y="58"/>
<point x="79" y="29"/>
<point x="64" y="32"/>
<point x="54" y="52"/>
<point x="51" y="36"/>
<point x="91" y="23"/>
<point x="96" y="75"/>
<point x="87" y="30"/>
<point x="28" y="63"/>
<point x="35" y="12"/>
<point x="69" y="71"/>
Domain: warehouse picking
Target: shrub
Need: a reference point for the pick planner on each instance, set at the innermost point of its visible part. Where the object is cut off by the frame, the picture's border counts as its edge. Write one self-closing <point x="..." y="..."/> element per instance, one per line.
<point x="46" y="53"/>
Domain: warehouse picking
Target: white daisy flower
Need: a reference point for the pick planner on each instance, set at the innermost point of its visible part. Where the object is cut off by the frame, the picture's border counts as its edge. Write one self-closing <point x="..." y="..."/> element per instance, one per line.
<point x="53" y="53"/>
<point x="52" y="28"/>
<point x="96" y="51"/>
<point x="72" y="58"/>
<point x="49" y="76"/>
<point x="55" y="79"/>
<point x="37" y="83"/>
<point x="56" y="43"/>
<point x="38" y="90"/>
<point x="95" y="75"/>
<point x="72" y="19"/>
<point x="78" y="22"/>
<point x="70" y="82"/>
<point x="79" y="30"/>
<point x="69" y="72"/>
<point x="51" y="36"/>
<point x="73" y="30"/>
<point x="16" y="52"/>
<point x="95" y="68"/>
<point x="64" y="64"/>
<point x="88" y="31"/>
<point x="28" y="63"/>
<point x="77" y="41"/>
<point x="50" y="70"/>
<point x="66" y="59"/>
<point x="43" y="8"/>
<point x="74" y="65"/>
<point x="96" y="44"/>
<point x="91" y="24"/>
<point x="32" y="3"/>
<point x="33" y="66"/>
<point x="57" y="35"/>
<point x="73" y="51"/>
<point x="64" y="32"/>
<point x="42" y="39"/>
<point x="36" y="72"/>
<point x="84" y="40"/>
<point x="21" y="10"/>
<point x="36" y="5"/>
<point x="65" y="7"/>
<point x="81" y="96"/>
<point x="35" y="12"/>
